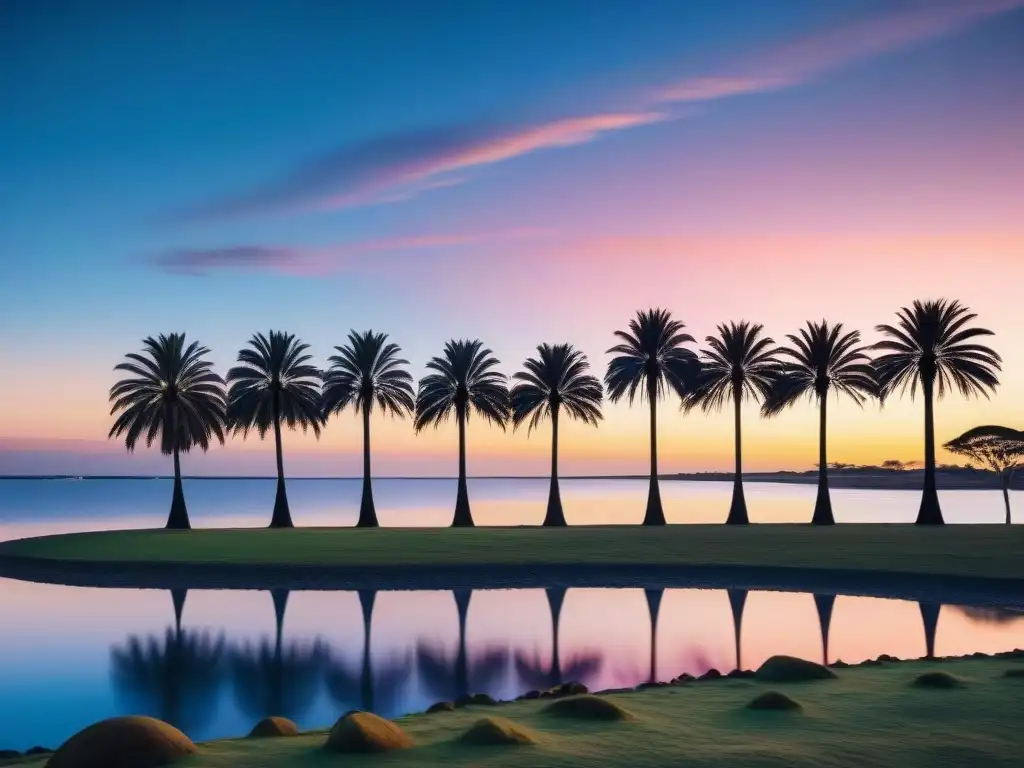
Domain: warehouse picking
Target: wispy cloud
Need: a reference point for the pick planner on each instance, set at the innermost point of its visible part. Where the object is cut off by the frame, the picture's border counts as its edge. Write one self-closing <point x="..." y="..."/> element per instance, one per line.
<point x="402" y="166"/>
<point x="301" y="260"/>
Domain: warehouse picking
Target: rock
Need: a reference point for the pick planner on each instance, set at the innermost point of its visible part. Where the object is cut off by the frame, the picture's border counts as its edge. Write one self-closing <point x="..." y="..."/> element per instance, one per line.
<point x="361" y="732"/>
<point x="937" y="680"/>
<point x="482" y="700"/>
<point x="885" y="658"/>
<point x="441" y="706"/>
<point x="273" y="727"/>
<point x="711" y="674"/>
<point x="38" y="751"/>
<point x="839" y="664"/>
<point x="124" y="742"/>
<point x="463" y="701"/>
<point x="871" y="663"/>
<point x="529" y="696"/>
<point x="497" y="731"/>
<point x="741" y="674"/>
<point x="569" y="689"/>
<point x="587" y="708"/>
<point x="684" y="678"/>
<point x="787" y="669"/>
<point x="775" y="701"/>
<point x="650" y="684"/>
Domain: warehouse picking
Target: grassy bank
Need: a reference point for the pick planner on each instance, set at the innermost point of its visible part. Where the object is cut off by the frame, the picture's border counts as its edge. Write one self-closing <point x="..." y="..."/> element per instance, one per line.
<point x="869" y="716"/>
<point x="991" y="551"/>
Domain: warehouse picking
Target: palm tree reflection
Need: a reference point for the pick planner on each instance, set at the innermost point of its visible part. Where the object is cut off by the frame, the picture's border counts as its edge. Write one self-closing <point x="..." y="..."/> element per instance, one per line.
<point x="277" y="679"/>
<point x="654" y="608"/>
<point x="930" y="619"/>
<point x="448" y="678"/>
<point x="824" y="605"/>
<point x="535" y="675"/>
<point x="372" y="689"/>
<point x="175" y="678"/>
<point x="737" y="602"/>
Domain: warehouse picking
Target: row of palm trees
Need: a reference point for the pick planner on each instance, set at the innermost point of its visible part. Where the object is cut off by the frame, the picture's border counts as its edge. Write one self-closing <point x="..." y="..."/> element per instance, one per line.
<point x="173" y="395"/>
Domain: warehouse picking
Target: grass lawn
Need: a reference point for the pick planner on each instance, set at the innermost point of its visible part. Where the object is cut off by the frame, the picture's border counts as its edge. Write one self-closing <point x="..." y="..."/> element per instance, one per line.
<point x="992" y="551"/>
<point x="869" y="716"/>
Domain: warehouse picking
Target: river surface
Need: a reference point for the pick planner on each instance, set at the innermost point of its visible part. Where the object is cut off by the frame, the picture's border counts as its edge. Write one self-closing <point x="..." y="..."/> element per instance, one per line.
<point x="213" y="662"/>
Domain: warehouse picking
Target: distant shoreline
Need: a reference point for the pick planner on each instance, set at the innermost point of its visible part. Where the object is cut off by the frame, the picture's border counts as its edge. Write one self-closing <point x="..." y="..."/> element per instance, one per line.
<point x="949" y="480"/>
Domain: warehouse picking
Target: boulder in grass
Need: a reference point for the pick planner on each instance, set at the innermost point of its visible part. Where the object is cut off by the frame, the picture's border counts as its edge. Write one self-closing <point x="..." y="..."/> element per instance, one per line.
<point x="711" y="674"/>
<point x="124" y="742"/>
<point x="937" y="680"/>
<point x="741" y="674"/>
<point x="273" y="727"/>
<point x="363" y="732"/>
<point x="587" y="707"/>
<point x="788" y="669"/>
<point x="529" y="696"/>
<point x="441" y="706"/>
<point x="497" y="731"/>
<point x="569" y="689"/>
<point x="482" y="700"/>
<point x="774" y="701"/>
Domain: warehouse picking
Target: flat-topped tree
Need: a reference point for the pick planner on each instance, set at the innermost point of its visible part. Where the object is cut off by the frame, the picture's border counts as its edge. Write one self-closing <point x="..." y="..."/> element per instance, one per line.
<point x="556" y="381"/>
<point x="174" y="397"/>
<point x="1000" y="449"/>
<point x="822" y="359"/>
<point x="368" y="373"/>
<point x="274" y="383"/>
<point x="933" y="346"/>
<point x="651" y="360"/>
<point x="463" y="381"/>
<point x="739" y="364"/>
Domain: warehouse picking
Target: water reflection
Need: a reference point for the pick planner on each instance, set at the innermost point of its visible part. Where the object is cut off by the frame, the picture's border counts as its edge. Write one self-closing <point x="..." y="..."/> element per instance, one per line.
<point x="277" y="678"/>
<point x="175" y="677"/>
<point x="307" y="655"/>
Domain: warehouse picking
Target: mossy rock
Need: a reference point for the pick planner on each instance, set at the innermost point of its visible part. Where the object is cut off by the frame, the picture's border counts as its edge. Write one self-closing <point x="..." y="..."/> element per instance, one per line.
<point x="273" y="727"/>
<point x="362" y="732"/>
<point x="124" y="742"/>
<point x="1014" y="673"/>
<point x="937" y="680"/>
<point x="529" y="696"/>
<point x="774" y="701"/>
<point x="497" y="731"/>
<point x="711" y="674"/>
<point x="482" y="700"/>
<point x="741" y="674"/>
<point x="588" y="708"/>
<point x="885" y="658"/>
<point x="569" y="689"/>
<point x="788" y="669"/>
<point x="441" y="706"/>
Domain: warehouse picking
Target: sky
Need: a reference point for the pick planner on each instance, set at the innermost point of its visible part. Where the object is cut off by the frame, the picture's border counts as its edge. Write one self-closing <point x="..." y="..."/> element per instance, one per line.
<point x="519" y="173"/>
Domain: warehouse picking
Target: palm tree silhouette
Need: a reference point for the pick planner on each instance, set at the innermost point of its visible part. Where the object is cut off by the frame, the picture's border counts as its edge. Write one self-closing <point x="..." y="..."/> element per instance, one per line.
<point x="536" y="675"/>
<point x="366" y="372"/>
<point x="822" y="359"/>
<point x="652" y="359"/>
<point x="277" y="679"/>
<point x="1000" y="449"/>
<point x="934" y="344"/>
<point x="824" y="604"/>
<point x="654" y="609"/>
<point x="737" y="602"/>
<point x="172" y="394"/>
<point x="464" y="380"/>
<point x="176" y="678"/>
<point x="274" y="382"/>
<point x="556" y="379"/>
<point x="372" y="689"/>
<point x="448" y="678"/>
<point x="740" y="363"/>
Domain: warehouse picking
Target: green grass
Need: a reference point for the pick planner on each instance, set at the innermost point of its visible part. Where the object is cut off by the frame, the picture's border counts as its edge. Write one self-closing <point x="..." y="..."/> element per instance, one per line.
<point x="868" y="717"/>
<point x="978" y="550"/>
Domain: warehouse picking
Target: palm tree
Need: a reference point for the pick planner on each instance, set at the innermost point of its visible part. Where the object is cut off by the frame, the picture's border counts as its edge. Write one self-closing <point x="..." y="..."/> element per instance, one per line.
<point x="651" y="359"/>
<point x="556" y="379"/>
<point x="273" y="383"/>
<point x="365" y="372"/>
<point x="822" y="359"/>
<point x="464" y="380"/>
<point x="934" y="344"/>
<point x="172" y="394"/>
<point x="741" y="363"/>
<point x="538" y="675"/>
<point x="1001" y="449"/>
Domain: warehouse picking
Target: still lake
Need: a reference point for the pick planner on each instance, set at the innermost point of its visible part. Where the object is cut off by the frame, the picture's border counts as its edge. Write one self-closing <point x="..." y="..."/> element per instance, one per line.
<point x="70" y="656"/>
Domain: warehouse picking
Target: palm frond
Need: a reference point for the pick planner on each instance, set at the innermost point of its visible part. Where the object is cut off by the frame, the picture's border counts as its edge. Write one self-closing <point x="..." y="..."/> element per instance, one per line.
<point x="558" y="378"/>
<point x="651" y="359"/>
<point x="368" y="372"/>
<point x="463" y="378"/>
<point x="739" y="362"/>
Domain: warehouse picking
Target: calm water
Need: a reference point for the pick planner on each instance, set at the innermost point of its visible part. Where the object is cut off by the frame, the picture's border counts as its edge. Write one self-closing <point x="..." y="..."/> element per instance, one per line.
<point x="71" y="656"/>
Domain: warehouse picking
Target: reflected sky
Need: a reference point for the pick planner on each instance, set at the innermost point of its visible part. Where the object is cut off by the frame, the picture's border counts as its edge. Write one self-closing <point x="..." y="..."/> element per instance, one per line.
<point x="77" y="655"/>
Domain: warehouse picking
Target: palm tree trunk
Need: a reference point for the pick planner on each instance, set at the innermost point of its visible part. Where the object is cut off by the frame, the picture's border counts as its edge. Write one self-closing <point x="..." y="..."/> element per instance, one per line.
<point x="930" y="619"/>
<point x="824" y="605"/>
<point x="367" y="512"/>
<point x="556" y="598"/>
<point x="738" y="510"/>
<point x="1006" y="478"/>
<point x="178" y="597"/>
<point x="655" y="515"/>
<point x="653" y="609"/>
<point x="178" y="518"/>
<point x="737" y="601"/>
<point x="930" y="512"/>
<point x="463" y="516"/>
<point x="462" y="682"/>
<point x="282" y="517"/>
<point x="366" y="601"/>
<point x="554" y="517"/>
<point x="823" y="504"/>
